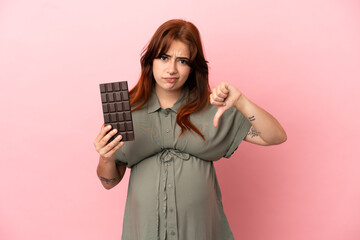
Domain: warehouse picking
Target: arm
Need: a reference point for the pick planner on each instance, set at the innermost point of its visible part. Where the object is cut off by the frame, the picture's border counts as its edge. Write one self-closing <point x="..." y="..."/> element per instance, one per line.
<point x="108" y="172"/>
<point x="265" y="129"/>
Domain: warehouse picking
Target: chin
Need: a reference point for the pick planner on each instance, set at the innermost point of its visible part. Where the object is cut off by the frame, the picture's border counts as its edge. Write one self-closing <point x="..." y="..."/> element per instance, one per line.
<point x="170" y="87"/>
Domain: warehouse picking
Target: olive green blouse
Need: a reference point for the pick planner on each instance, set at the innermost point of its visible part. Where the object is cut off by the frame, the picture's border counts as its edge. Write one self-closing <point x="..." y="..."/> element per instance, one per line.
<point x="173" y="191"/>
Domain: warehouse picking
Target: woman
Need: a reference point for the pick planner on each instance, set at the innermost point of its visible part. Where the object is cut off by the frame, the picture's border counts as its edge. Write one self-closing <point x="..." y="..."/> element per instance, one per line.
<point x="173" y="191"/>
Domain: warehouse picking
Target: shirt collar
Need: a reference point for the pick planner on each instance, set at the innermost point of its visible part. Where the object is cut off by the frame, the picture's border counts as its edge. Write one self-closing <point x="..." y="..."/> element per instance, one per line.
<point x="154" y="105"/>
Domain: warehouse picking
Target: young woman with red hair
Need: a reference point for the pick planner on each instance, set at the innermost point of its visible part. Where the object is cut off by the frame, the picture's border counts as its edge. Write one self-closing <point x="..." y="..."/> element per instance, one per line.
<point x="180" y="127"/>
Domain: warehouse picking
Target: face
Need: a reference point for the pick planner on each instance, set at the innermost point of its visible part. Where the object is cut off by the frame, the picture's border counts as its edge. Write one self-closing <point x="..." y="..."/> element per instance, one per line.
<point x="171" y="70"/>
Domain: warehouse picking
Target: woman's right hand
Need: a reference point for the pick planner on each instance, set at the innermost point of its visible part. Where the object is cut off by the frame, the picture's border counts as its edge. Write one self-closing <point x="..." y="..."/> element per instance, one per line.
<point x="107" y="150"/>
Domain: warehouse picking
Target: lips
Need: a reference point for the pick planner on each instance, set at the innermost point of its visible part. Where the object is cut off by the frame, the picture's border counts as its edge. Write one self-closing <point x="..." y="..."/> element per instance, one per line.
<point x="170" y="80"/>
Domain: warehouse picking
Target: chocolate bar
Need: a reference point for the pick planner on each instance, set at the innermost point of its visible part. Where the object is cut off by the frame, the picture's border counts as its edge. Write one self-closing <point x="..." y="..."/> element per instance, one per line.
<point x="116" y="109"/>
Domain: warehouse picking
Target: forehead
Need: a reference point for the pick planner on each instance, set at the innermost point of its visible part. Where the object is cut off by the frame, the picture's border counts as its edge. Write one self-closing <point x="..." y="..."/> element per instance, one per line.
<point x="178" y="49"/>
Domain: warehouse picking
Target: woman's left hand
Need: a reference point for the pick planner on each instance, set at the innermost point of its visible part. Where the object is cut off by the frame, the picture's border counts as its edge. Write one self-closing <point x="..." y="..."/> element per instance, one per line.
<point x="224" y="96"/>
<point x="268" y="130"/>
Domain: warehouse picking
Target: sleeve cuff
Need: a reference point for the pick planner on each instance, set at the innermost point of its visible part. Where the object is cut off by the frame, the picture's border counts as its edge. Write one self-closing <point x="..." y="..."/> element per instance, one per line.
<point x="240" y="135"/>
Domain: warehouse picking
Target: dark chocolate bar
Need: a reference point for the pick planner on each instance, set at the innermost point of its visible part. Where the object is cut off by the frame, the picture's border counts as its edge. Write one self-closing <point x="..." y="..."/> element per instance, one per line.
<point x="116" y="108"/>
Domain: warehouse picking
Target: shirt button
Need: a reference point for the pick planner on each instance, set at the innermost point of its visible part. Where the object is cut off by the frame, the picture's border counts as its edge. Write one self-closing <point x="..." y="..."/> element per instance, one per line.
<point x="171" y="210"/>
<point x="169" y="185"/>
<point x="173" y="233"/>
<point x="167" y="130"/>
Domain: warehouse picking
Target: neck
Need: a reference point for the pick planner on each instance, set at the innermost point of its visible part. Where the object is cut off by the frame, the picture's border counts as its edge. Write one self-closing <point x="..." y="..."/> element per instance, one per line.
<point x="167" y="99"/>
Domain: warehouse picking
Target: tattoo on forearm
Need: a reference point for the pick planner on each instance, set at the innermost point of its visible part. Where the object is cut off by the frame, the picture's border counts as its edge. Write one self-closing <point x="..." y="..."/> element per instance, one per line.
<point x="253" y="133"/>
<point x="252" y="118"/>
<point x="112" y="180"/>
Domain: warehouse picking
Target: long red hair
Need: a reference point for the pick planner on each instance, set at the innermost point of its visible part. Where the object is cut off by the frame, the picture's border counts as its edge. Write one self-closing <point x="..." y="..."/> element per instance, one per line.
<point x="197" y="82"/>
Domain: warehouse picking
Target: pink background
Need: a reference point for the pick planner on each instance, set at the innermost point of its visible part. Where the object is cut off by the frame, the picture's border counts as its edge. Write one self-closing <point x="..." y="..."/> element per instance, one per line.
<point x="299" y="60"/>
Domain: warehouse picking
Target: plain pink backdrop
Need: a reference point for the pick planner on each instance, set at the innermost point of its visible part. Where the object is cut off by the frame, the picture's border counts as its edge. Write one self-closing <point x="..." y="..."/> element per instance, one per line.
<point x="299" y="60"/>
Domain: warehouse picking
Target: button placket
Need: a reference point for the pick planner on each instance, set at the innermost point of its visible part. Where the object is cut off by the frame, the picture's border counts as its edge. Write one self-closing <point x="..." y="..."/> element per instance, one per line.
<point x="168" y="215"/>
<point x="165" y="200"/>
<point x="166" y="128"/>
<point x="172" y="218"/>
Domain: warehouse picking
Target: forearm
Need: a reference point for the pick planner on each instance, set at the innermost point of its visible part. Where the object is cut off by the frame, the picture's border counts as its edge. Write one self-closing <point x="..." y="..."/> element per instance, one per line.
<point x="264" y="124"/>
<point x="108" y="173"/>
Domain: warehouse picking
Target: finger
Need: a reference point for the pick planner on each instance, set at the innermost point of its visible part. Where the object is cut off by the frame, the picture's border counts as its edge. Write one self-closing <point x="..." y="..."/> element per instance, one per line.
<point x="107" y="137"/>
<point x="108" y="150"/>
<point x="114" y="149"/>
<point x="218" y="92"/>
<point x="222" y="92"/>
<point x="217" y="98"/>
<point x="224" y="88"/>
<point x="214" y="101"/>
<point x="217" y="116"/>
<point x="103" y="131"/>
<point x="219" y="104"/>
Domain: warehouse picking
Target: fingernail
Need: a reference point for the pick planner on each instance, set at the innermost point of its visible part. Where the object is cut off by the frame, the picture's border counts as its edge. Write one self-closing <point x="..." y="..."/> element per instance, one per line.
<point x="114" y="130"/>
<point x="108" y="126"/>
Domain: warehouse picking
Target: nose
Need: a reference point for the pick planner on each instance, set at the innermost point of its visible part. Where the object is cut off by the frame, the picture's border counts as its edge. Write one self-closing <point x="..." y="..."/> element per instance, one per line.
<point x="172" y="69"/>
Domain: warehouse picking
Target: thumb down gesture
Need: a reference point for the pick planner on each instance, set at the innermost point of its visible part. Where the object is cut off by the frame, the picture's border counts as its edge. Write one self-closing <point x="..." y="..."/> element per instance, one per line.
<point x="224" y="96"/>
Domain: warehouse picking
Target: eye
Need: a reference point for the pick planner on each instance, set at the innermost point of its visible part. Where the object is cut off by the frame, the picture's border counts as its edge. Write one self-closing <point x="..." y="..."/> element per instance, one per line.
<point x="164" y="57"/>
<point x="183" y="61"/>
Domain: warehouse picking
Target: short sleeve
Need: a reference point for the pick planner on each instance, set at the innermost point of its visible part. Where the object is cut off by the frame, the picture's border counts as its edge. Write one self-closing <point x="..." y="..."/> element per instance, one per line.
<point x="219" y="142"/>
<point x="239" y="128"/>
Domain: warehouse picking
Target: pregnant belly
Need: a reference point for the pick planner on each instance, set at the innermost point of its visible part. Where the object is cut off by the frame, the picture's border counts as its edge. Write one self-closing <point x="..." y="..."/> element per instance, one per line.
<point x="196" y="186"/>
<point x="195" y="182"/>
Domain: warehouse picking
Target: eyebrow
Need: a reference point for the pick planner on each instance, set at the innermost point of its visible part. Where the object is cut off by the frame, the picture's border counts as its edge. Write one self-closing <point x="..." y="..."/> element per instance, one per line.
<point x="167" y="55"/>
